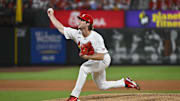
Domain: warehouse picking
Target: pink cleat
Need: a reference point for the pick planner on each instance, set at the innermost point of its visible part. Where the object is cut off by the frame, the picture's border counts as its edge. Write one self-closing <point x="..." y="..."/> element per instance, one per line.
<point x="72" y="98"/>
<point x="131" y="84"/>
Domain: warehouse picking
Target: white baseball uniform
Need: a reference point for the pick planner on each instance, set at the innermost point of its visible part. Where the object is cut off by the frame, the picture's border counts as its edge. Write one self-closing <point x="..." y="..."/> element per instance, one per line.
<point x="95" y="67"/>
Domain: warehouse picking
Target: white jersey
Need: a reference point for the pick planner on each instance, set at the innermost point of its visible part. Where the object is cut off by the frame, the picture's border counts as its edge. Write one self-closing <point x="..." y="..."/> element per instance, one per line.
<point x="94" y="38"/>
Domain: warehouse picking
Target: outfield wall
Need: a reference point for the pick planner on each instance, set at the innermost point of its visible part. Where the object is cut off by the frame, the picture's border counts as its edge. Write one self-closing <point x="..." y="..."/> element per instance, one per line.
<point x="45" y="46"/>
<point x="7" y="47"/>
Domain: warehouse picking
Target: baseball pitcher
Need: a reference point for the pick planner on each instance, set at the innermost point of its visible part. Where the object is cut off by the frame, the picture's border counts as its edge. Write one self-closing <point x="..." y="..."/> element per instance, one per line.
<point x="92" y="49"/>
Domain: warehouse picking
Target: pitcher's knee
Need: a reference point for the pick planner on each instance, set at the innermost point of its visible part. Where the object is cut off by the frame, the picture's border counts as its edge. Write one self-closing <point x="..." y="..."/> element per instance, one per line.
<point x="102" y="87"/>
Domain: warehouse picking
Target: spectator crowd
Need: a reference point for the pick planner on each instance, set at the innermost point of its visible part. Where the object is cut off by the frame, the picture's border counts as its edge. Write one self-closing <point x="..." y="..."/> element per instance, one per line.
<point x="159" y="4"/>
<point x="95" y="4"/>
<point x="69" y="4"/>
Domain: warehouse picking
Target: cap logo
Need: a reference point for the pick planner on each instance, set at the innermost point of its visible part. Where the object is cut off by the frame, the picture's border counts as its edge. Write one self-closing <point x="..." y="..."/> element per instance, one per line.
<point x="83" y="15"/>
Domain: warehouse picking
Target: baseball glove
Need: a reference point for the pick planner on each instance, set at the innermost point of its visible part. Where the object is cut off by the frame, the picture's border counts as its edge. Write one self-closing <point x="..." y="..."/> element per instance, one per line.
<point x="87" y="49"/>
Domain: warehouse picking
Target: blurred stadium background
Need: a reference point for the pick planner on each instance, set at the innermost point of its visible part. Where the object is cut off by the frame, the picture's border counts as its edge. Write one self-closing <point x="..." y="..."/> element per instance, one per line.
<point x="137" y="33"/>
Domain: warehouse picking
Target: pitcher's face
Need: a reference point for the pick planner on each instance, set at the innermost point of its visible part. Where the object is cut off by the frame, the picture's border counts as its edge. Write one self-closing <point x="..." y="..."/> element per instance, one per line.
<point x="82" y="24"/>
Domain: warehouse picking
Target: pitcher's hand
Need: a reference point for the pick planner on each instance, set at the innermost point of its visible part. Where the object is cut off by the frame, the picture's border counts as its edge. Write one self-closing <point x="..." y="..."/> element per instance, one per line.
<point x="50" y="12"/>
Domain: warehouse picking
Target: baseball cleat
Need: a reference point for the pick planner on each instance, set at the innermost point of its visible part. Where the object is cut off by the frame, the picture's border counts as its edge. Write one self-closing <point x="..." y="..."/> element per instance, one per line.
<point x="72" y="98"/>
<point x="131" y="84"/>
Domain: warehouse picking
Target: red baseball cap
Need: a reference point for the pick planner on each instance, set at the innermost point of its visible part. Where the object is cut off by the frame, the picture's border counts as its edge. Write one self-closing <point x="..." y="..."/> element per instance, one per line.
<point x="86" y="17"/>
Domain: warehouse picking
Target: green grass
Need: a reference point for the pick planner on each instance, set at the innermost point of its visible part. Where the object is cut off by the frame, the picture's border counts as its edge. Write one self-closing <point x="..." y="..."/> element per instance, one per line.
<point x="31" y="95"/>
<point x="46" y="95"/>
<point x="113" y="73"/>
<point x="146" y="72"/>
<point x="56" y="74"/>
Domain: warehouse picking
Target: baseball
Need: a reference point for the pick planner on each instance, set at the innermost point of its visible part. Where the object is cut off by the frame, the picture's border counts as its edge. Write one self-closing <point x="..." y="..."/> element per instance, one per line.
<point x="50" y="10"/>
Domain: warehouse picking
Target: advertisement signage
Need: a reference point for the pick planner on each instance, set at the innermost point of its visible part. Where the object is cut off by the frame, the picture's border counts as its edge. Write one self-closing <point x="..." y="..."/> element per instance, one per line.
<point x="48" y="46"/>
<point x="153" y="19"/>
<point x="102" y="19"/>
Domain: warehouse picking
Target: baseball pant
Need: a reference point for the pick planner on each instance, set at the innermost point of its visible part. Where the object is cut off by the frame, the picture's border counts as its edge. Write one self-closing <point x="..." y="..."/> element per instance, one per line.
<point x="97" y="70"/>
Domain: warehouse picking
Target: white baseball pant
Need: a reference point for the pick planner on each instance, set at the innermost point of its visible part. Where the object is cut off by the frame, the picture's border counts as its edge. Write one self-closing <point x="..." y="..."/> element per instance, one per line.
<point x="97" y="70"/>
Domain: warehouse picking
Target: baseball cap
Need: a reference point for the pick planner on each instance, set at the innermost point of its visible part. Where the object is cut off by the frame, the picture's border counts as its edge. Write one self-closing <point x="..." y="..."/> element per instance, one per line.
<point x="86" y="17"/>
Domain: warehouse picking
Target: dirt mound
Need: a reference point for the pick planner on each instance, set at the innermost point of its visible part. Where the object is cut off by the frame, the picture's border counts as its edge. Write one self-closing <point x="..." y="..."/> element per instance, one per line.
<point x="129" y="97"/>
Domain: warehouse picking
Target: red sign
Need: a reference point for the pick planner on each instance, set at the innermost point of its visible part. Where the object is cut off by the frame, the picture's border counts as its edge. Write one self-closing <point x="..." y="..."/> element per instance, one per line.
<point x="102" y="19"/>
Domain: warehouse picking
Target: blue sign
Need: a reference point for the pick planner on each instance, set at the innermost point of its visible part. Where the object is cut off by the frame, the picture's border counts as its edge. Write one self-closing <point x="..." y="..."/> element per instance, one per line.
<point x="48" y="46"/>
